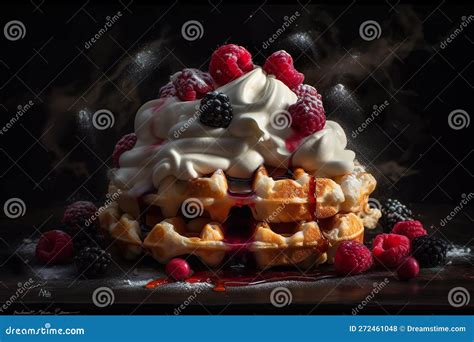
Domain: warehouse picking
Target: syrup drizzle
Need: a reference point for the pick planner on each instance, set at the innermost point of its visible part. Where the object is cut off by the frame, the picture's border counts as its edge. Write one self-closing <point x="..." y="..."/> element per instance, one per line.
<point x="242" y="198"/>
<point x="239" y="228"/>
<point x="239" y="241"/>
<point x="158" y="282"/>
<point x="225" y="279"/>
<point x="241" y="191"/>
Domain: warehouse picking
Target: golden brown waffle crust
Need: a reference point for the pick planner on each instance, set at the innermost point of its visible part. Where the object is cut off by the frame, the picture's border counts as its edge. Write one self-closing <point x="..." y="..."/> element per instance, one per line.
<point x="302" y="198"/>
<point x="308" y="246"/>
<point x="324" y="213"/>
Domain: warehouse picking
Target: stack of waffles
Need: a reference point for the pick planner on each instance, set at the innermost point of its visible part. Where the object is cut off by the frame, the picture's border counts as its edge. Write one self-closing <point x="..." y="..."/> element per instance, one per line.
<point x="240" y="159"/>
<point x="292" y="220"/>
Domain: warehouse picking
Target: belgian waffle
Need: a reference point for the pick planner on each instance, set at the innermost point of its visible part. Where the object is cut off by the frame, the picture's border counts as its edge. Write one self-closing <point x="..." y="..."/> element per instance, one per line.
<point x="296" y="221"/>
<point x="300" y="198"/>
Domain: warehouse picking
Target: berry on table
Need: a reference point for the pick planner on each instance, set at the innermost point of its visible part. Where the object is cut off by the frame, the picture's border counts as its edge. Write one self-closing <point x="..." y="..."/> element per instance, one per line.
<point x="280" y="64"/>
<point x="389" y="250"/>
<point x="178" y="269"/>
<point x="78" y="213"/>
<point x="352" y="258"/>
<point x="126" y="143"/>
<point x="192" y="84"/>
<point x="83" y="229"/>
<point x="229" y="62"/>
<point x="408" y="269"/>
<point x="307" y="115"/>
<point x="92" y="261"/>
<point x="394" y="211"/>
<point x="88" y="237"/>
<point x="430" y="251"/>
<point x="54" y="247"/>
<point x="411" y="229"/>
<point x="215" y="110"/>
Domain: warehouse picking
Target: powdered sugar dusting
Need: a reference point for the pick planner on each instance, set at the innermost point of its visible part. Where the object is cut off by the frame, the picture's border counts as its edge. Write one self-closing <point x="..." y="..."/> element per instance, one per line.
<point x="458" y="252"/>
<point x="192" y="84"/>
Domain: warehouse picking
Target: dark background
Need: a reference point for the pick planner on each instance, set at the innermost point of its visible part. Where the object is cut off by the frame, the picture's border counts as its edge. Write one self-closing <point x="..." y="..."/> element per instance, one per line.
<point x="53" y="155"/>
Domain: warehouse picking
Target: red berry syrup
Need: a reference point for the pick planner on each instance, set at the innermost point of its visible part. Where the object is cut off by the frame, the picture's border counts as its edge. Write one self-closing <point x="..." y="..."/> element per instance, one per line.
<point x="225" y="279"/>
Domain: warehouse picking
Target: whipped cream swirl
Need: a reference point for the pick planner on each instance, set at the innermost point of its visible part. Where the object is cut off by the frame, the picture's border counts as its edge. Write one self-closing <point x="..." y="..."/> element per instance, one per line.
<point x="172" y="142"/>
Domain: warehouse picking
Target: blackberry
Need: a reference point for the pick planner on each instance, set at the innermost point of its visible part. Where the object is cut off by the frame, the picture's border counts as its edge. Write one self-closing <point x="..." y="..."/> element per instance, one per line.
<point x="83" y="240"/>
<point x="393" y="211"/>
<point x="429" y="251"/>
<point x="85" y="236"/>
<point x="215" y="110"/>
<point x="92" y="261"/>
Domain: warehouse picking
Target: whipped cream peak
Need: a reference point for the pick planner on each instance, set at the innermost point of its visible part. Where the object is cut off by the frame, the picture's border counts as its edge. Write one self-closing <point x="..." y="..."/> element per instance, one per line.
<point x="171" y="141"/>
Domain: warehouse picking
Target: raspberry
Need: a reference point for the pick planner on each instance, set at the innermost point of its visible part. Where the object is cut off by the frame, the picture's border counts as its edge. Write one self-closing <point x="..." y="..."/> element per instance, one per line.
<point x="54" y="247"/>
<point x="411" y="229"/>
<point x="352" y="258"/>
<point x="280" y="64"/>
<point x="78" y="213"/>
<point x="408" y="269"/>
<point x="168" y="90"/>
<point x="429" y="250"/>
<point x="229" y="62"/>
<point x="82" y="225"/>
<point x="305" y="89"/>
<point x="216" y="110"/>
<point x="192" y="84"/>
<point x="126" y="143"/>
<point x="178" y="269"/>
<point x="307" y="115"/>
<point x="390" y="249"/>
